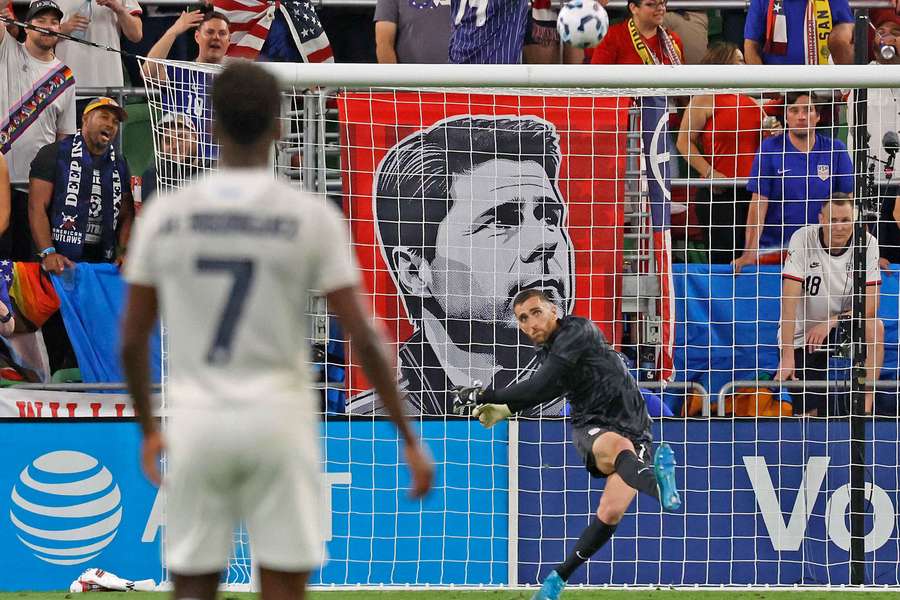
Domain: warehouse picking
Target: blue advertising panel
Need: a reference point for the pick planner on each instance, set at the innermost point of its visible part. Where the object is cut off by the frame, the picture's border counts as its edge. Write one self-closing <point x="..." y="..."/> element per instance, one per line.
<point x="72" y="496"/>
<point x="765" y="502"/>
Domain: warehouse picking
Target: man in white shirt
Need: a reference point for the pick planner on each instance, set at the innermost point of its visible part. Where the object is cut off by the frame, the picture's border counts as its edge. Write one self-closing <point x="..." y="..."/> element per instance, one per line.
<point x="37" y="93"/>
<point x="816" y="303"/>
<point x="108" y="20"/>
<point x="231" y="261"/>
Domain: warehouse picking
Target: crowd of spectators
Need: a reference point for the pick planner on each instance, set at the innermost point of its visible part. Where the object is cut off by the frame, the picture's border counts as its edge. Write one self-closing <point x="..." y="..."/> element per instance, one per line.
<point x="64" y="185"/>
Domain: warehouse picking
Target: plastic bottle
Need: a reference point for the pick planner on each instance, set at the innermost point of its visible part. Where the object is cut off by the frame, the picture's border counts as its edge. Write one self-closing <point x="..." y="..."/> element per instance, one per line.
<point x="85" y="9"/>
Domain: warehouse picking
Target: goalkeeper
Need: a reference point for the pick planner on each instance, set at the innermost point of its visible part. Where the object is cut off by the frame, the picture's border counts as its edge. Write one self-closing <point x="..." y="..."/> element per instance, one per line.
<point x="610" y="424"/>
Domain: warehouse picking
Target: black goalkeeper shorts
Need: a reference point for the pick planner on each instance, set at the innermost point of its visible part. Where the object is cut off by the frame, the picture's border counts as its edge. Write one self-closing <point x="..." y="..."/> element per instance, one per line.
<point x="584" y="437"/>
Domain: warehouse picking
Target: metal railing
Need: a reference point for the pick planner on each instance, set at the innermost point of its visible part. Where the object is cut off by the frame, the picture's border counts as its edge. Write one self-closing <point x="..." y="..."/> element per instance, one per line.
<point x="840" y="386"/>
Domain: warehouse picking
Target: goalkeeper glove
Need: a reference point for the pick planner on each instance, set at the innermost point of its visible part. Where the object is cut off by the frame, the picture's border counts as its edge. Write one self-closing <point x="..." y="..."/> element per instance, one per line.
<point x="491" y="414"/>
<point x="466" y="396"/>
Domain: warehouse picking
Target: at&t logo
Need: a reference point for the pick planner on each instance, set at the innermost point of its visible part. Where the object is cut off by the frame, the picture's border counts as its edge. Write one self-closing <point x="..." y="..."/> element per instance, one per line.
<point x="66" y="507"/>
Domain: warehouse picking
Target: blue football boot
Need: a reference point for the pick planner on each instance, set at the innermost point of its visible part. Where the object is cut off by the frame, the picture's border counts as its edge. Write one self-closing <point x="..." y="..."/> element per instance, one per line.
<point x="664" y="469"/>
<point x="552" y="589"/>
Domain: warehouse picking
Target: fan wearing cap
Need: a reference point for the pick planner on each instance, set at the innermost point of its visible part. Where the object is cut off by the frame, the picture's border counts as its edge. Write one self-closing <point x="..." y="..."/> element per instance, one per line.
<point x="37" y="91"/>
<point x="79" y="206"/>
<point x="178" y="158"/>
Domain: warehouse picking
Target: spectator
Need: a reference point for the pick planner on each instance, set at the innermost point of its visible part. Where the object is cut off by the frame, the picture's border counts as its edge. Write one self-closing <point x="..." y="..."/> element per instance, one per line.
<point x="108" y="20"/>
<point x="719" y="137"/>
<point x="882" y="118"/>
<point x="542" y="37"/>
<point x="791" y="176"/>
<point x="79" y="207"/>
<point x="817" y="293"/>
<point x="783" y="32"/>
<point x="178" y="159"/>
<point x="412" y="31"/>
<point x="292" y="32"/>
<point x="37" y="93"/>
<point x="488" y="31"/>
<point x="692" y="26"/>
<point x="640" y="39"/>
<point x="186" y="90"/>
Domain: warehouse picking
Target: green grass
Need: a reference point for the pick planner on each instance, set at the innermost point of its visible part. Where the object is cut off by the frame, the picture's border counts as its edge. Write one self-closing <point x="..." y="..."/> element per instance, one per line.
<point x="571" y="594"/>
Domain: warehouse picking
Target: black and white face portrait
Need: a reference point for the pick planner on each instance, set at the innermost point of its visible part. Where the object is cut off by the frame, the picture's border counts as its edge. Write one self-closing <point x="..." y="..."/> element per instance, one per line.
<point x="490" y="218"/>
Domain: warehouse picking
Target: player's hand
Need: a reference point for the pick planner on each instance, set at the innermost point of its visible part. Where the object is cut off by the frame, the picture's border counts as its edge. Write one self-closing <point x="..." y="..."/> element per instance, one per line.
<point x="748" y="258"/>
<point x="817" y="335"/>
<point x="151" y="449"/>
<point x="785" y="370"/>
<point x="74" y="23"/>
<point x="187" y="21"/>
<point x="56" y="263"/>
<point x="466" y="396"/>
<point x="421" y="468"/>
<point x="491" y="414"/>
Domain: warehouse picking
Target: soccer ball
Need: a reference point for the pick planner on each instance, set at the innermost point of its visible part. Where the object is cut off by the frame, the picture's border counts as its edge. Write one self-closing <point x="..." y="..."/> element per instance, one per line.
<point x="582" y="23"/>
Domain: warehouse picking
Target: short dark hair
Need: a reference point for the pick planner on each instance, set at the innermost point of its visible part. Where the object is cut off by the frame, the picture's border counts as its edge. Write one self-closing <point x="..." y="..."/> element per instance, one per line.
<point x="209" y="15"/>
<point x="838" y="199"/>
<point x="413" y="181"/>
<point x="791" y="98"/>
<point x="241" y="116"/>
<point x="526" y="295"/>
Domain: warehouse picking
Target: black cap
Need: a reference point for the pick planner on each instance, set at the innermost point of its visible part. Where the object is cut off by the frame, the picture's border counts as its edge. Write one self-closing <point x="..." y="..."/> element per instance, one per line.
<point x="39" y="6"/>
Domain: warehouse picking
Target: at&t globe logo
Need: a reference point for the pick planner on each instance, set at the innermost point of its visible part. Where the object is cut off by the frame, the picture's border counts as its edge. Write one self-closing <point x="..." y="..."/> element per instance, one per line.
<point x="66" y="507"/>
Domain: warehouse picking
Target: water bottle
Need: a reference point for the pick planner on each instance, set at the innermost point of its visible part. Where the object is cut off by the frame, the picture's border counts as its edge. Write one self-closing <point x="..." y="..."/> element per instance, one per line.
<point x="85" y="9"/>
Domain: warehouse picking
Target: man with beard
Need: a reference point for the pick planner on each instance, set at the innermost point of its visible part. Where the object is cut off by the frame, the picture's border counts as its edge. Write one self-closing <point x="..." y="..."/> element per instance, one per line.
<point x="79" y="206"/>
<point x="469" y="214"/>
<point x="816" y="299"/>
<point x="37" y="107"/>
<point x="792" y="175"/>
<point x="186" y="91"/>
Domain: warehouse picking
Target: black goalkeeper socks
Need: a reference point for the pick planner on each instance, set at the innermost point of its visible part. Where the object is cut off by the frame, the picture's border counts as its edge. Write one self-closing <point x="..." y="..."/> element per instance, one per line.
<point x="636" y="473"/>
<point x="592" y="539"/>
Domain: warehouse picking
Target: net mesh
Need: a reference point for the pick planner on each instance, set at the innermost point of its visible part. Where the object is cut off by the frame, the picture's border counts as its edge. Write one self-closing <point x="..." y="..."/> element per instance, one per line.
<point x="627" y="207"/>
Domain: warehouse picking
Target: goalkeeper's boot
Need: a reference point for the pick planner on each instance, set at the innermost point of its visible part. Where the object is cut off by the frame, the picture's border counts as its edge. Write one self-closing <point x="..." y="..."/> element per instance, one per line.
<point x="552" y="589"/>
<point x="664" y="469"/>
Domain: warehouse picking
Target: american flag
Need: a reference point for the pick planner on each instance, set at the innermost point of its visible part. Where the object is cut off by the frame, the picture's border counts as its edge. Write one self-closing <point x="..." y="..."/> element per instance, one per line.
<point x="251" y="20"/>
<point x="655" y="138"/>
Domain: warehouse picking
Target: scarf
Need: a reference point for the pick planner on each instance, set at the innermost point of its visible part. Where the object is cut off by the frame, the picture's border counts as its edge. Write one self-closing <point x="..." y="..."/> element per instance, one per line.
<point x="24" y="113"/>
<point x="817" y="25"/>
<point x="671" y="52"/>
<point x="83" y="180"/>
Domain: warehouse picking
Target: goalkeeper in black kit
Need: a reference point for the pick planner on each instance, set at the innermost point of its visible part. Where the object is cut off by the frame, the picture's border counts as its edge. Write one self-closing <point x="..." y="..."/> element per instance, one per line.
<point x="610" y="424"/>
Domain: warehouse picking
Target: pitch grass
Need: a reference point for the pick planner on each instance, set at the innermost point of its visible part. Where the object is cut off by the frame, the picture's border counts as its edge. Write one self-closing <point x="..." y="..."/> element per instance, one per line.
<point x="571" y="594"/>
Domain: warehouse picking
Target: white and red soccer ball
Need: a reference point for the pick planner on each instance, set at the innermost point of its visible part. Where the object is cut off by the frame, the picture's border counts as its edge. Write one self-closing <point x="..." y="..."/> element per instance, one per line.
<point x="582" y="23"/>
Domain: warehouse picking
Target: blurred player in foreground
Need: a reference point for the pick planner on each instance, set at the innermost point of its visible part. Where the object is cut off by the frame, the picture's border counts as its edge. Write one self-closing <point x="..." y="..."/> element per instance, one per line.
<point x="610" y="424"/>
<point x="230" y="261"/>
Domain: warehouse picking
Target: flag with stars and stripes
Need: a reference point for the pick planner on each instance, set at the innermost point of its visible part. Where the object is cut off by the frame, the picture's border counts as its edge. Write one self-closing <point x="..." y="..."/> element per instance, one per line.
<point x="251" y="21"/>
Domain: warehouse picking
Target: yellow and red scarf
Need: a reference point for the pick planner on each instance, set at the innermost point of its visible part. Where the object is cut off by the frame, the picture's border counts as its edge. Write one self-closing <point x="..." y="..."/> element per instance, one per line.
<point x="817" y="25"/>
<point x="670" y="49"/>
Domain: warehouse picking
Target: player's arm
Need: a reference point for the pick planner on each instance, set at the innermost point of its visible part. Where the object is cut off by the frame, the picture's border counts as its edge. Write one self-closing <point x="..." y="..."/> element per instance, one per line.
<point x="543" y="386"/>
<point x="367" y="345"/>
<point x="141" y="311"/>
<point x="791" y="296"/>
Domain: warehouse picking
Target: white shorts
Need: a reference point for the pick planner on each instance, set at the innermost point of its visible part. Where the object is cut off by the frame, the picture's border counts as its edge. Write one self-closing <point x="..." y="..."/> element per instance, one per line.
<point x="261" y="469"/>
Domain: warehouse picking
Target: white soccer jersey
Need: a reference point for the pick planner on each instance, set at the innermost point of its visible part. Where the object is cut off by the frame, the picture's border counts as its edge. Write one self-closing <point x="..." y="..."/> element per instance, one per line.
<point x="233" y="259"/>
<point x="827" y="278"/>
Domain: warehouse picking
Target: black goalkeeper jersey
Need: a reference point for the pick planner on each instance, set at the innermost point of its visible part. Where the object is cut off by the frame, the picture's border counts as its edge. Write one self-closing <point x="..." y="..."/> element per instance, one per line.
<point x="578" y="362"/>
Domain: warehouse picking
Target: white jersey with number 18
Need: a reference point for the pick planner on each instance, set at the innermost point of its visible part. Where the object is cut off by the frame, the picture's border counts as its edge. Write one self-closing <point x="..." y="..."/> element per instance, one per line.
<point x="233" y="259"/>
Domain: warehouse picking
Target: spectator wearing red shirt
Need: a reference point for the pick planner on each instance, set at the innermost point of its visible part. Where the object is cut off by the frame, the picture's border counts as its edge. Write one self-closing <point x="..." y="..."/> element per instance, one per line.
<point x="640" y="39"/>
<point x="719" y="137"/>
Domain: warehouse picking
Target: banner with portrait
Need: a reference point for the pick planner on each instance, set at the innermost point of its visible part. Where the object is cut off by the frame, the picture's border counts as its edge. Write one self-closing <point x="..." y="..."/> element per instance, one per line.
<point x="458" y="201"/>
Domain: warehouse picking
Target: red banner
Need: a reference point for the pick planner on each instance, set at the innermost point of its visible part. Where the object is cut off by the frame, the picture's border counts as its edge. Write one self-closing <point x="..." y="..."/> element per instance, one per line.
<point x="457" y="202"/>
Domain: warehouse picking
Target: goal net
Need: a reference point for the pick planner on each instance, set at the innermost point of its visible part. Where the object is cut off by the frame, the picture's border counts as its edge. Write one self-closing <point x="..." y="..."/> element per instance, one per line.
<point x="690" y="213"/>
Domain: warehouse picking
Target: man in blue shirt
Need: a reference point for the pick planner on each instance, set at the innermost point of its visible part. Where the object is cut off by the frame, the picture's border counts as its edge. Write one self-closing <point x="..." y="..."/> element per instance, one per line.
<point x="798" y="32"/>
<point x="792" y="175"/>
<point x="487" y="31"/>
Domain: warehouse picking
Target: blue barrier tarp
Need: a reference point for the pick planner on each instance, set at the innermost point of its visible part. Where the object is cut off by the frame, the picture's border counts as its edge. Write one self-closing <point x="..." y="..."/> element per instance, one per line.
<point x="726" y="326"/>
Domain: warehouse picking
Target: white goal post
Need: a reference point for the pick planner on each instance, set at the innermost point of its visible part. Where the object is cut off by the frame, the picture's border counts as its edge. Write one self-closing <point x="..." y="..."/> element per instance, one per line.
<point x="446" y="226"/>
